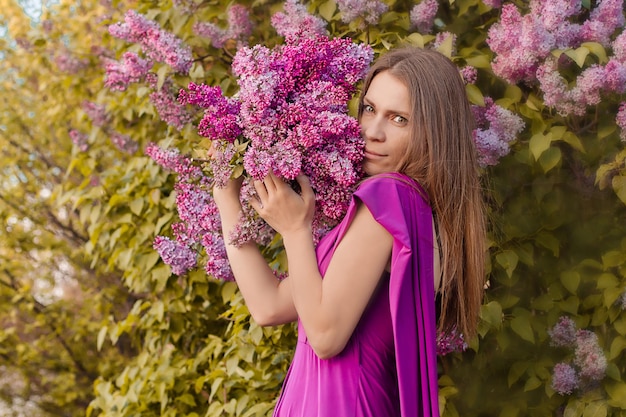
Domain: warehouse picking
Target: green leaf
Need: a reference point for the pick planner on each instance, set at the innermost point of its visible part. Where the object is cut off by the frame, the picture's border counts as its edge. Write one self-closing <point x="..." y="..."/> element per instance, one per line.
<point x="613" y="258"/>
<point x="101" y="335"/>
<point x="570" y="280"/>
<point x="508" y="260"/>
<point x="597" y="49"/>
<point x="137" y="205"/>
<point x="619" y="186"/>
<point x="516" y="371"/>
<point x="415" y="39"/>
<point x="617" y="394"/>
<point x="532" y="383"/>
<point x="539" y="143"/>
<point x="327" y="10"/>
<point x="578" y="55"/>
<point x="475" y="95"/>
<point x="521" y="326"/>
<point x="617" y="347"/>
<point x="574" y="408"/>
<point x="548" y="241"/>
<point x="492" y="313"/>
<point x="550" y="158"/>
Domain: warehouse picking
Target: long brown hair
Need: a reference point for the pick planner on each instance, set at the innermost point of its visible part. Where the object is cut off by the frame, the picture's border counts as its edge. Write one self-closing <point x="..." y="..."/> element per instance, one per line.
<point x="441" y="156"/>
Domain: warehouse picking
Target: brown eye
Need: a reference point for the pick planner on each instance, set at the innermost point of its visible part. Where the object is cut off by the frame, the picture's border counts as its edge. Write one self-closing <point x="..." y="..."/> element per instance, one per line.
<point x="400" y="120"/>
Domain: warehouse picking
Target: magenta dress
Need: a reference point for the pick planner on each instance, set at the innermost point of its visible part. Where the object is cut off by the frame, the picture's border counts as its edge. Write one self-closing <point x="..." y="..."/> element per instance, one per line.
<point x="389" y="366"/>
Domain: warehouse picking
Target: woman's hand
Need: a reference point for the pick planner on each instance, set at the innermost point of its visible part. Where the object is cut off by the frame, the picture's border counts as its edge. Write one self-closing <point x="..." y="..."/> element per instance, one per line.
<point x="281" y="207"/>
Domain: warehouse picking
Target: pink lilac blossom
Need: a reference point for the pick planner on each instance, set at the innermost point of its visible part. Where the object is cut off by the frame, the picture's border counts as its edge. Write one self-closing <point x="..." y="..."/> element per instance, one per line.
<point x="131" y="69"/>
<point x="590" y="84"/>
<point x="589" y="357"/>
<point x="296" y="22"/>
<point x="496" y="128"/>
<point x="422" y="15"/>
<point x="619" y="48"/>
<point x="96" y="113"/>
<point x="158" y="44"/>
<point x="563" y="334"/>
<point x="620" y="120"/>
<point x="367" y="10"/>
<point x="239" y="27"/>
<point x="179" y="257"/>
<point x="564" y="379"/>
<point x="124" y="143"/>
<point x="469" y="74"/>
<point x="69" y="64"/>
<point x="449" y="342"/>
<point x="495" y="4"/>
<point x="186" y="6"/>
<point x="604" y="20"/>
<point x="522" y="43"/>
<point x="169" y="109"/>
<point x="441" y="37"/>
<point x="172" y="160"/>
<point x="79" y="139"/>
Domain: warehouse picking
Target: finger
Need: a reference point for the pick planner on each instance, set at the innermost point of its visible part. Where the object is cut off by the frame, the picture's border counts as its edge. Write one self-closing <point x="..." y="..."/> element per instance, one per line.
<point x="261" y="191"/>
<point x="256" y="204"/>
<point x="305" y="188"/>
<point x="271" y="181"/>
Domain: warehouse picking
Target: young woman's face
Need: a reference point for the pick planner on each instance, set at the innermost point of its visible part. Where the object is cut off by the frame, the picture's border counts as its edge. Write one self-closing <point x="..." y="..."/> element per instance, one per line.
<point x="385" y="123"/>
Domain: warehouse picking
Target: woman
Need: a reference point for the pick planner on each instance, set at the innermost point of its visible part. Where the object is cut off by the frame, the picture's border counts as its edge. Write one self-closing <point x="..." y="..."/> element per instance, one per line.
<point x="365" y="297"/>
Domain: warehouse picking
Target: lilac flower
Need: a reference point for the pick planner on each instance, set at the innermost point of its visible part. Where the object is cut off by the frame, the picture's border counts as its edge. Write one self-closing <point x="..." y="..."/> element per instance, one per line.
<point x="296" y="22"/>
<point x="158" y="44"/>
<point x="130" y="70"/>
<point x="79" y="139"/>
<point x="170" y="110"/>
<point x="422" y="15"/>
<point x="469" y="74"/>
<point x="186" y="6"/>
<point x="563" y="334"/>
<point x="496" y="128"/>
<point x="589" y="356"/>
<point x="448" y="342"/>
<point x="605" y="18"/>
<point x="495" y="4"/>
<point x="239" y="27"/>
<point x="124" y="143"/>
<point x="620" y="120"/>
<point x="564" y="379"/>
<point x="172" y="159"/>
<point x="217" y="264"/>
<point x="69" y="64"/>
<point x="614" y="74"/>
<point x="619" y="48"/>
<point x="622" y="298"/>
<point x="441" y="37"/>
<point x="96" y="112"/>
<point x="179" y="257"/>
<point x="367" y="10"/>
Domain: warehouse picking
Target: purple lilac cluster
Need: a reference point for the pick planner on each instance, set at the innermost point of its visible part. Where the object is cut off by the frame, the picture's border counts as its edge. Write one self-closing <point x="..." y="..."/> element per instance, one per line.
<point x="79" y="139"/>
<point x="296" y="22"/>
<point x="449" y="342"/>
<point x="96" y="112"/>
<point x="158" y="44"/>
<point x="131" y="69"/>
<point x="367" y="10"/>
<point x="422" y="15"/>
<point x="170" y="110"/>
<point x="289" y="116"/>
<point x="123" y="142"/>
<point x="239" y="28"/>
<point x="589" y="363"/>
<point x="496" y="128"/>
<point x="70" y="64"/>
<point x="522" y="43"/>
<point x="200" y="225"/>
<point x="493" y="3"/>
<point x="292" y="108"/>
<point x="469" y="74"/>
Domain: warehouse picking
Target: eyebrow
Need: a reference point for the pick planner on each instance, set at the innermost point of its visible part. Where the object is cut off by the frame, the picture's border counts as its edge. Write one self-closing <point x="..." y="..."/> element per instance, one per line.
<point x="391" y="111"/>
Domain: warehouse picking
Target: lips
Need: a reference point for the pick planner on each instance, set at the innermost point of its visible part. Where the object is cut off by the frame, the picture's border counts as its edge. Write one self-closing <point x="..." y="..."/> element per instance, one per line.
<point x="372" y="154"/>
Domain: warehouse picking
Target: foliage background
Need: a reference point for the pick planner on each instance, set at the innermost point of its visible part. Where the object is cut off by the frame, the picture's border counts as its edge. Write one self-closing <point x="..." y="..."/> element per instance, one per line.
<point x="93" y="322"/>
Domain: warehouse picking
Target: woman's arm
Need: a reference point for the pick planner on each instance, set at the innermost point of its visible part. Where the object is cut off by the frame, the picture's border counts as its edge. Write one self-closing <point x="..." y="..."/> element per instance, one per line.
<point x="329" y="309"/>
<point x="268" y="299"/>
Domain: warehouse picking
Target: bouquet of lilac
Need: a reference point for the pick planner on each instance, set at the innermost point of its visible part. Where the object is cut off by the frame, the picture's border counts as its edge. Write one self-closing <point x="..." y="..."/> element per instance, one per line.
<point x="289" y="116"/>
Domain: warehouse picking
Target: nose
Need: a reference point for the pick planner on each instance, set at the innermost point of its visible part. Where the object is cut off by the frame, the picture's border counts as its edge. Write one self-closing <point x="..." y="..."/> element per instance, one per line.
<point x="372" y="129"/>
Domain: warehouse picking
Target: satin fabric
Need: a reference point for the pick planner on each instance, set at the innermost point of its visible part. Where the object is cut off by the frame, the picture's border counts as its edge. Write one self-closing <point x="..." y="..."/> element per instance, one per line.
<point x="389" y="366"/>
